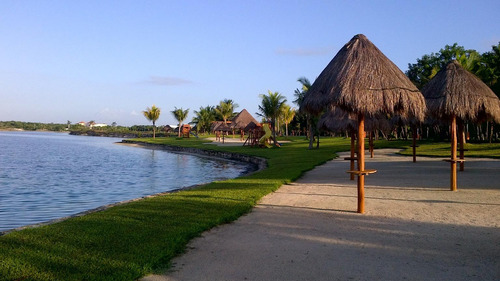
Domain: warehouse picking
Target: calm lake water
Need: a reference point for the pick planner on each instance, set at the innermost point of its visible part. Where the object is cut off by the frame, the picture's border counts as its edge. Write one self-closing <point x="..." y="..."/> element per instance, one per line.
<point x="44" y="176"/>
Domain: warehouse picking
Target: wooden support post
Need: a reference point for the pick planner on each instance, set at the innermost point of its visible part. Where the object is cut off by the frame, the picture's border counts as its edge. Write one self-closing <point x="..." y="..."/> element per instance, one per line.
<point x="453" y="177"/>
<point x="353" y="139"/>
<point x="461" y="142"/>
<point x="361" y="163"/>
<point x="414" y="137"/>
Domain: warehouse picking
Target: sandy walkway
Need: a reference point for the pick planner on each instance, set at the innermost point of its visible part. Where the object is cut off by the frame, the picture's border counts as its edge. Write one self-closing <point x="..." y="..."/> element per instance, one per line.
<point x="414" y="228"/>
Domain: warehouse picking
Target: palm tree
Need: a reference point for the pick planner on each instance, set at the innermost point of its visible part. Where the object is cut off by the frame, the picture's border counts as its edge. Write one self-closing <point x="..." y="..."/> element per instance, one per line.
<point x="300" y="94"/>
<point x="271" y="107"/>
<point x="180" y="115"/>
<point x="204" y="118"/>
<point x="287" y="116"/>
<point x="152" y="114"/>
<point x="299" y="97"/>
<point x="225" y="109"/>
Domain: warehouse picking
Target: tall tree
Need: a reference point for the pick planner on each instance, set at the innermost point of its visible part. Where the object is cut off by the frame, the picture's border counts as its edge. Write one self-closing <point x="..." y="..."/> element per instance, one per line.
<point x="299" y="97"/>
<point x="429" y="65"/>
<point x="180" y="115"/>
<point x="287" y="115"/>
<point x="490" y="73"/>
<point x="204" y="118"/>
<point x="152" y="114"/>
<point x="225" y="109"/>
<point x="271" y="107"/>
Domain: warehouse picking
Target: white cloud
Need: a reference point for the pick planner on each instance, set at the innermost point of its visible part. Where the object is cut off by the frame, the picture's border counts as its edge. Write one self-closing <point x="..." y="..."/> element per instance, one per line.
<point x="167" y="81"/>
<point x="134" y="113"/>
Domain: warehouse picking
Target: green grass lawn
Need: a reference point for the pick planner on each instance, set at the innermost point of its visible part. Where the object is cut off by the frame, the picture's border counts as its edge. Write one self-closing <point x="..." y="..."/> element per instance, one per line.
<point x="442" y="149"/>
<point x="129" y="241"/>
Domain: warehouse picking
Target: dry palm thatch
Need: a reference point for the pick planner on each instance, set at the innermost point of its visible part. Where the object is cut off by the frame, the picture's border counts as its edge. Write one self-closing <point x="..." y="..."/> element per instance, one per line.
<point x="215" y="125"/>
<point x="338" y="120"/>
<point x="457" y="95"/>
<point x="251" y="126"/>
<point x="224" y="127"/>
<point x="361" y="79"/>
<point x="455" y="91"/>
<point x="242" y="120"/>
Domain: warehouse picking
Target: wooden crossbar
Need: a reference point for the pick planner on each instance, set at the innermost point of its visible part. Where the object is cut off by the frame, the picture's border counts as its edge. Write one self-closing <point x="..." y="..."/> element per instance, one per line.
<point x="365" y="172"/>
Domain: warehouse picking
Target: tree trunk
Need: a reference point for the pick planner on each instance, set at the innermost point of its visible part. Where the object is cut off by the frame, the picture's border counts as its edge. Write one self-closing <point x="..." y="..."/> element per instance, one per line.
<point x="311" y="138"/>
<point x="274" y="132"/>
<point x="491" y="132"/>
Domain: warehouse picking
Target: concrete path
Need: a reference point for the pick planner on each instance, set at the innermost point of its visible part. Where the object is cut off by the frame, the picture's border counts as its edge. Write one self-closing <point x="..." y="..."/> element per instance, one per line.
<point x="414" y="227"/>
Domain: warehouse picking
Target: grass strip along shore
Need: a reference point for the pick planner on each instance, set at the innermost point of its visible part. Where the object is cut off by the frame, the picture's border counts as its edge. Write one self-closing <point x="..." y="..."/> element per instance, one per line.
<point x="129" y="241"/>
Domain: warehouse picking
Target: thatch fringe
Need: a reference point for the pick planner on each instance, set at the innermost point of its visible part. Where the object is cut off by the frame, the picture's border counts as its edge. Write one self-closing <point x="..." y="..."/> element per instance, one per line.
<point x="361" y="79"/>
<point x="455" y="91"/>
<point x="338" y="120"/>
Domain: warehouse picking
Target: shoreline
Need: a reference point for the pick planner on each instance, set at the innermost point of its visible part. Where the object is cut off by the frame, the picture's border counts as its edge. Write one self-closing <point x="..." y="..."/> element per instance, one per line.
<point x="257" y="163"/>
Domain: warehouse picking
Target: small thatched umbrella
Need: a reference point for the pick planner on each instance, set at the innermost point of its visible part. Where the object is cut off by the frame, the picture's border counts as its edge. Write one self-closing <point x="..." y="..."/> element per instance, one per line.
<point x="362" y="80"/>
<point x="454" y="93"/>
<point x="224" y="128"/>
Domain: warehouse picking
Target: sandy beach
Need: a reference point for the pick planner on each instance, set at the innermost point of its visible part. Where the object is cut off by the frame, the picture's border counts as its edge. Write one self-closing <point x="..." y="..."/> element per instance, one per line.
<point x="414" y="227"/>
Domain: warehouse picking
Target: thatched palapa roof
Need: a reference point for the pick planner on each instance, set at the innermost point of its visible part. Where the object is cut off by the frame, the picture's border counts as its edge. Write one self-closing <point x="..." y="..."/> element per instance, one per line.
<point x="338" y="120"/>
<point x="361" y="79"/>
<point x="219" y="126"/>
<point x="455" y="91"/>
<point x="242" y="120"/>
<point x="251" y="126"/>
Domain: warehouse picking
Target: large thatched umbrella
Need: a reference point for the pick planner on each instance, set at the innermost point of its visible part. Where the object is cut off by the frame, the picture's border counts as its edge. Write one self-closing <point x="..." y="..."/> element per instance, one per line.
<point x="362" y="80"/>
<point x="456" y="94"/>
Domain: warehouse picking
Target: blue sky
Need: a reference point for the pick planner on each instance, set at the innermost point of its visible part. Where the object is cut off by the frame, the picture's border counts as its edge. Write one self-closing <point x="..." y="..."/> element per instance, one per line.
<point x="109" y="60"/>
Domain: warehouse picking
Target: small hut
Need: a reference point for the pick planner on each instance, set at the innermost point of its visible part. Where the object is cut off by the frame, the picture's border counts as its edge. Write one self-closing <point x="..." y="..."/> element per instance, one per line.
<point x="362" y="80"/>
<point x="456" y="95"/>
<point x="242" y="119"/>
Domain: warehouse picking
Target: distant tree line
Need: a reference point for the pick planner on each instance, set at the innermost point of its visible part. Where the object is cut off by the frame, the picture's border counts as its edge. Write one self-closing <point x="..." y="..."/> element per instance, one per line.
<point x="32" y="126"/>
